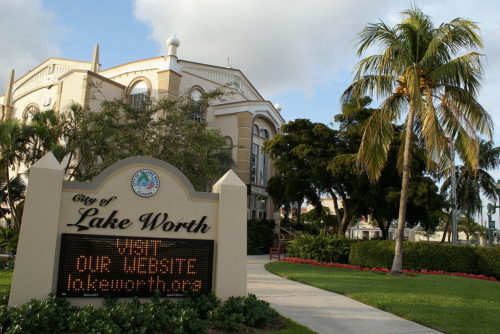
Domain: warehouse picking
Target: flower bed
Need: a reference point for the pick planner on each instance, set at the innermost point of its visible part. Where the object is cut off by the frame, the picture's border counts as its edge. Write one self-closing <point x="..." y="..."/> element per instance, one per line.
<point x="348" y="266"/>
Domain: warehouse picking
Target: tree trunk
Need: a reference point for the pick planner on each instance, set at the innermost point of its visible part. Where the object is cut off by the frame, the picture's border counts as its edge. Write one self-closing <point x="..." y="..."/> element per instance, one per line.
<point x="397" y="264"/>
<point x="346" y="217"/>
<point x="384" y="228"/>
<point x="299" y="210"/>
<point x="336" y="209"/>
<point x="349" y="211"/>
<point x="445" y="231"/>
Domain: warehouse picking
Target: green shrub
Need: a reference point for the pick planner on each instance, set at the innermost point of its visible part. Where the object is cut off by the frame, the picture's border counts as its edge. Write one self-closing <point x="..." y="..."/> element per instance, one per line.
<point x="420" y="255"/>
<point x="91" y="320"/>
<point x="49" y="316"/>
<point x="260" y="236"/>
<point x="191" y="315"/>
<point x="323" y="248"/>
<point x="242" y="310"/>
<point x="377" y="254"/>
<point x="201" y="303"/>
<point x="489" y="261"/>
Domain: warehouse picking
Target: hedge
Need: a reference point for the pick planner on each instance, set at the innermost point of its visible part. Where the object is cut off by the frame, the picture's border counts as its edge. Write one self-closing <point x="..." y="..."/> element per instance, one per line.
<point x="260" y="236"/>
<point x="420" y="255"/>
<point x="195" y="314"/>
<point x="323" y="248"/>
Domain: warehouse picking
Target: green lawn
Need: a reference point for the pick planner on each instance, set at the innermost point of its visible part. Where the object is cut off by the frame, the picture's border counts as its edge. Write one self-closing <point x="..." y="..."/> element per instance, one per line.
<point x="5" y="278"/>
<point x="446" y="303"/>
<point x="293" y="329"/>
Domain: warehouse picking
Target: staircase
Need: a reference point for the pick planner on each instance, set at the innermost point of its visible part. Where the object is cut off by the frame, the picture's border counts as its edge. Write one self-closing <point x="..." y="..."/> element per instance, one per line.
<point x="287" y="234"/>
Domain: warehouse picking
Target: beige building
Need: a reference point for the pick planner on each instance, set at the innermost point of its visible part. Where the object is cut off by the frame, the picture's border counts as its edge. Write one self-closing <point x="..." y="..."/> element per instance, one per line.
<point x="244" y="117"/>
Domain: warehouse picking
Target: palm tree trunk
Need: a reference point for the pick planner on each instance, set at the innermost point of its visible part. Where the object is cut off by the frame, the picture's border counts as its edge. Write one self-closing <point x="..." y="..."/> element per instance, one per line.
<point x="397" y="264"/>
<point x="445" y="232"/>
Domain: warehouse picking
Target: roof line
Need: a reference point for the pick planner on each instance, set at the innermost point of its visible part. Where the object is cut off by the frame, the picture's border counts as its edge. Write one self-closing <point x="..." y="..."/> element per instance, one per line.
<point x="45" y="61"/>
<point x="130" y="62"/>
<point x="226" y="68"/>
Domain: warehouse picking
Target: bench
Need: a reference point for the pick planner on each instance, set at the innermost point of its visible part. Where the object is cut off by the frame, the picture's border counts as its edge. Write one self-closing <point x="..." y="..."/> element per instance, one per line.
<point x="275" y="252"/>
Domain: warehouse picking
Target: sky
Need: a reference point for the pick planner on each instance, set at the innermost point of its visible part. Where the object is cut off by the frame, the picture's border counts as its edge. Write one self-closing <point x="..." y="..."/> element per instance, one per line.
<point x="295" y="52"/>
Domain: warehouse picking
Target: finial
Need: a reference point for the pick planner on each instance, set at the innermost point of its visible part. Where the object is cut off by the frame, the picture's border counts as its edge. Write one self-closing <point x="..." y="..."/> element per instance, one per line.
<point x="172" y="45"/>
<point x="173" y="41"/>
<point x="277" y="106"/>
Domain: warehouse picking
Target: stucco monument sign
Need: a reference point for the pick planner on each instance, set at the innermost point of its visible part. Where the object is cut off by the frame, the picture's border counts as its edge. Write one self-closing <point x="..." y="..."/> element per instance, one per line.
<point x="137" y="229"/>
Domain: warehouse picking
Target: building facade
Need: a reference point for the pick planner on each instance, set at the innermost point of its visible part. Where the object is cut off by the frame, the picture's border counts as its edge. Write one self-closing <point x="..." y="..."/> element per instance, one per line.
<point x="243" y="116"/>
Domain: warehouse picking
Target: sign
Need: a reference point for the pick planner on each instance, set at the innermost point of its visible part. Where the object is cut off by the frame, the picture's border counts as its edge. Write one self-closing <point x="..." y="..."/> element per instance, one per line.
<point x="98" y="266"/>
<point x="137" y="228"/>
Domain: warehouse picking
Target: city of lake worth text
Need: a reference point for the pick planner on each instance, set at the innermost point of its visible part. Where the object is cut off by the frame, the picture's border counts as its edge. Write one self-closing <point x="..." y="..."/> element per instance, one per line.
<point x="90" y="218"/>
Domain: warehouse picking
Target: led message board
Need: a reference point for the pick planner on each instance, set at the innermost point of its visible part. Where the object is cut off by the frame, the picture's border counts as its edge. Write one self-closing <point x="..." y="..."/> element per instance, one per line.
<point x="98" y="266"/>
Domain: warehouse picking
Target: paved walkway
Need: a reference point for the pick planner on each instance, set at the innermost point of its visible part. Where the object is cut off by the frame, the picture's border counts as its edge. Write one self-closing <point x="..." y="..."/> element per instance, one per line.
<point x="322" y="311"/>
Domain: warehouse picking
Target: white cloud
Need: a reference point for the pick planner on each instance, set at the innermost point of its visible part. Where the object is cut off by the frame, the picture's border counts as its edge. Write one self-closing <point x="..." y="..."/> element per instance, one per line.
<point x="293" y="44"/>
<point x="277" y="44"/>
<point x="28" y="36"/>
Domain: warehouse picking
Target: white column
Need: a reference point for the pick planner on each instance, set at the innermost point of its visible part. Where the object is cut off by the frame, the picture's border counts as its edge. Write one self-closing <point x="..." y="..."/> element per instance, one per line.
<point x="231" y="243"/>
<point x="34" y="271"/>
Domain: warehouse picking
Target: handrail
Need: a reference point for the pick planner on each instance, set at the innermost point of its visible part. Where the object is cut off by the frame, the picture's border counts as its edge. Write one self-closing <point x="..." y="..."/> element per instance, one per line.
<point x="288" y="233"/>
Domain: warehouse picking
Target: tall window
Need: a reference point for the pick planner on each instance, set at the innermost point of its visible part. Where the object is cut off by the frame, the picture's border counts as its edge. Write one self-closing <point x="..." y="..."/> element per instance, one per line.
<point x="255" y="130"/>
<point x="228" y="150"/>
<point x="254" y="162"/>
<point x="262" y="207"/>
<point x="264" y="133"/>
<point x="196" y="96"/>
<point x="263" y="169"/>
<point x="29" y="112"/>
<point x="138" y="95"/>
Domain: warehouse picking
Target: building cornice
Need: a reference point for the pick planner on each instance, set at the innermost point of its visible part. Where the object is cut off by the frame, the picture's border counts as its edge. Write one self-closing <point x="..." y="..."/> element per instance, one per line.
<point x="257" y="108"/>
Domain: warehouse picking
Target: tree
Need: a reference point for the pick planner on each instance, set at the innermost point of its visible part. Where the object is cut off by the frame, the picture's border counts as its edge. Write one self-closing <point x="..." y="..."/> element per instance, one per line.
<point x="87" y="142"/>
<point x="472" y="182"/>
<point x="380" y="200"/>
<point x="294" y="180"/>
<point x="12" y="150"/>
<point x="416" y="72"/>
<point x="467" y="225"/>
<point x="164" y="129"/>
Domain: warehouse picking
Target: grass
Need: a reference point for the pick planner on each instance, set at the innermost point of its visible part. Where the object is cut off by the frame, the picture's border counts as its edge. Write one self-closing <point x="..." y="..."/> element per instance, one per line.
<point x="5" y="279"/>
<point x="294" y="328"/>
<point x="449" y="304"/>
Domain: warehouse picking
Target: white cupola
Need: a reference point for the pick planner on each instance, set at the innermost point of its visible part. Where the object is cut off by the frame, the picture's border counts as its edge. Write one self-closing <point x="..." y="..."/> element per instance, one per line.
<point x="172" y="45"/>
<point x="277" y="106"/>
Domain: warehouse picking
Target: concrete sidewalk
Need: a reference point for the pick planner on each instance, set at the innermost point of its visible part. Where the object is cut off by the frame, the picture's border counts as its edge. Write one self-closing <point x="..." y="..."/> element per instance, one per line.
<point x="322" y="311"/>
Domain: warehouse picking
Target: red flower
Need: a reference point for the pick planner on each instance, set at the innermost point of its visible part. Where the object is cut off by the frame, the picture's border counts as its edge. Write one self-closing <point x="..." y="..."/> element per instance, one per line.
<point x="411" y="271"/>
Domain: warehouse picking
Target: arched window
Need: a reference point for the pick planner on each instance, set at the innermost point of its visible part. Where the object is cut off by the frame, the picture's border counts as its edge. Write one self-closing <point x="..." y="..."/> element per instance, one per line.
<point x="264" y="133"/>
<point x="138" y="94"/>
<point x="197" y="108"/>
<point x="196" y="95"/>
<point x="255" y="130"/>
<point x="29" y="111"/>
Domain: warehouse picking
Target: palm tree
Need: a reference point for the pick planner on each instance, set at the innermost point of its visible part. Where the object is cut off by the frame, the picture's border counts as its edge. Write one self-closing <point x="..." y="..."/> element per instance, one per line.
<point x="12" y="150"/>
<point x="423" y="82"/>
<point x="472" y="182"/>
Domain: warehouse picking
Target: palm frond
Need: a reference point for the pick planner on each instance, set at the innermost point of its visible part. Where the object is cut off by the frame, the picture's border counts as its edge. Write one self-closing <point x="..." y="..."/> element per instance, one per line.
<point x="378" y="136"/>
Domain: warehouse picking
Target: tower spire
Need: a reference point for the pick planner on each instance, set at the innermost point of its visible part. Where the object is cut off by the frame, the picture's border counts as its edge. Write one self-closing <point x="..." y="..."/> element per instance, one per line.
<point x="95" y="60"/>
<point x="7" y="108"/>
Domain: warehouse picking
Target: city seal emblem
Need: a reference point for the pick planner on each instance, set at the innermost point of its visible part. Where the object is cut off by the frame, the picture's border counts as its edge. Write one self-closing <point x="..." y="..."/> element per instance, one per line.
<point x="145" y="183"/>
